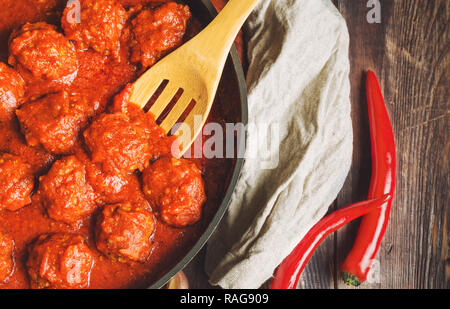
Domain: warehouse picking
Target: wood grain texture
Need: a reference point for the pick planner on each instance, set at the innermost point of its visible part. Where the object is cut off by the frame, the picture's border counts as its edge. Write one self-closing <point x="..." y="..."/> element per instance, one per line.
<point x="410" y="52"/>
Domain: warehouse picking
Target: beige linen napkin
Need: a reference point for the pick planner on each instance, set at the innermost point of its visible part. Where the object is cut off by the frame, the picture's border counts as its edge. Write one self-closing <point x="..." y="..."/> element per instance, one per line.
<point x="298" y="82"/>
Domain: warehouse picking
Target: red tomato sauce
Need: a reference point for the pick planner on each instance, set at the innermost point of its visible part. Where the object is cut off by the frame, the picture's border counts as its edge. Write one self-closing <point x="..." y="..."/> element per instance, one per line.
<point x="103" y="71"/>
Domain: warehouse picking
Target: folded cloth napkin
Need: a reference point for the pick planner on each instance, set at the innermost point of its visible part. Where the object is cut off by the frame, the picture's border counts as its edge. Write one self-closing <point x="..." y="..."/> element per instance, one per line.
<point x="298" y="84"/>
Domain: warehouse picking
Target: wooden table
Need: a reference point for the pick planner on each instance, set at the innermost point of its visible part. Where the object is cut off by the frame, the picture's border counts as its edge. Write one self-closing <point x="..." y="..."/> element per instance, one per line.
<point x="409" y="51"/>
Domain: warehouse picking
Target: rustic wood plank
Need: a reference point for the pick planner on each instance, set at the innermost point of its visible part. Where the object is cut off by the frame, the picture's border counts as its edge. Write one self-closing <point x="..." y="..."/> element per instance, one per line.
<point x="409" y="51"/>
<point x="418" y="86"/>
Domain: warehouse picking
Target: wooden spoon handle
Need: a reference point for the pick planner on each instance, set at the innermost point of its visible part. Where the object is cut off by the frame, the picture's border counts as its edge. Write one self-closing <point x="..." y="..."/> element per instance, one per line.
<point x="239" y="41"/>
<point x="215" y="41"/>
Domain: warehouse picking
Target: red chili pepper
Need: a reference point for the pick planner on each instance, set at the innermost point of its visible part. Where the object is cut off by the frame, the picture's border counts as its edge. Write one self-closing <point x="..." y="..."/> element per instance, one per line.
<point x="288" y="273"/>
<point x="373" y="225"/>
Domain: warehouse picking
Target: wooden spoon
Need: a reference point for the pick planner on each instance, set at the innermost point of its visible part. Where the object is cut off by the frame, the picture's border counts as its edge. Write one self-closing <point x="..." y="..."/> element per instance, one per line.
<point x="196" y="68"/>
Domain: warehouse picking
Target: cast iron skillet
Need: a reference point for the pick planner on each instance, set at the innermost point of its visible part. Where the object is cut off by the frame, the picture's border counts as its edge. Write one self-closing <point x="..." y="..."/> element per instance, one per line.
<point x="207" y="12"/>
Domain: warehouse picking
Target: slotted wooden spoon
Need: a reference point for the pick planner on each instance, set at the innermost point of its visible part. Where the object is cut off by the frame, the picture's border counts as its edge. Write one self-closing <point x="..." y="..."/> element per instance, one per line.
<point x="196" y="68"/>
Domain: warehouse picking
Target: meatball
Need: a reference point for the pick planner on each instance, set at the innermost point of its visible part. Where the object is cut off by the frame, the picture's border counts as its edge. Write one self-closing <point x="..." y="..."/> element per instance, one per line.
<point x="12" y="141"/>
<point x="176" y="187"/>
<point x="100" y="26"/>
<point x="65" y="192"/>
<point x="59" y="261"/>
<point x="112" y="188"/>
<point x="45" y="53"/>
<point x="53" y="121"/>
<point x="119" y="145"/>
<point x="124" y="232"/>
<point x="160" y="143"/>
<point x="157" y="32"/>
<point x="12" y="90"/>
<point x="16" y="182"/>
<point x="109" y="188"/>
<point x="6" y="257"/>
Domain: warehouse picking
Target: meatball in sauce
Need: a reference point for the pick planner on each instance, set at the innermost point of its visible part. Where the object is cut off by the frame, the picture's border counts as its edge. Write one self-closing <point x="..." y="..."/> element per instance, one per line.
<point x="176" y="187"/>
<point x="118" y="144"/>
<point x="157" y="32"/>
<point x="42" y="51"/>
<point x="54" y="121"/>
<point x="100" y="26"/>
<point x="16" y="182"/>
<point x="124" y="232"/>
<point x="60" y="261"/>
<point x="65" y="192"/>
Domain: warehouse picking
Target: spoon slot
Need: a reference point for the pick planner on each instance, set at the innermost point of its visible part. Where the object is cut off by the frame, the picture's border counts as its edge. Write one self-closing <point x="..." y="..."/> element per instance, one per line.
<point x="171" y="105"/>
<point x="156" y="95"/>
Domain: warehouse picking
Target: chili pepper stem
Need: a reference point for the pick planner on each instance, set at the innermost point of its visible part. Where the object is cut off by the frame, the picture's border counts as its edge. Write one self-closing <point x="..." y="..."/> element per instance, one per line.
<point x="350" y="279"/>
